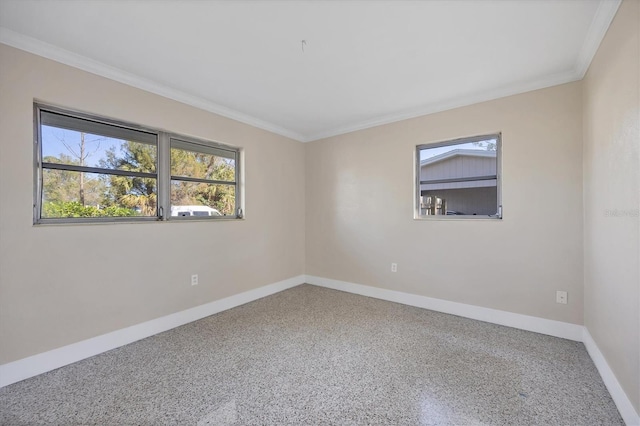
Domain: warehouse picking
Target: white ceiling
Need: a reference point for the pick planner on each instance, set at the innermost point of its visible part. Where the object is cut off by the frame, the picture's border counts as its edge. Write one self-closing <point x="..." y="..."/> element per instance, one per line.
<point x="365" y="62"/>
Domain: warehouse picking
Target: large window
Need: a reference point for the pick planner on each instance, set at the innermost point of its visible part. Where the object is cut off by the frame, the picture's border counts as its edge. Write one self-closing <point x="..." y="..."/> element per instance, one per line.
<point x="459" y="178"/>
<point x="90" y="169"/>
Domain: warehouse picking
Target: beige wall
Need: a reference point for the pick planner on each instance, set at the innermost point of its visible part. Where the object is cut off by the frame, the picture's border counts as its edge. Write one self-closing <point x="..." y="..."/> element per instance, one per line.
<point x="611" y="198"/>
<point x="63" y="284"/>
<point x="360" y="216"/>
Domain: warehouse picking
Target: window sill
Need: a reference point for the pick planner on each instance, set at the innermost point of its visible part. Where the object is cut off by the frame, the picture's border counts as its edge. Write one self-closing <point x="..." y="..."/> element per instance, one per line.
<point x="64" y="222"/>
<point x="456" y="217"/>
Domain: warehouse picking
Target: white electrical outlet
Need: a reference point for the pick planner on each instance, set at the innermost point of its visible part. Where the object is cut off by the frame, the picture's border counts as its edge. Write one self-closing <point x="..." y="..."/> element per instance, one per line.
<point x="394" y="267"/>
<point x="561" y="297"/>
<point x="194" y="279"/>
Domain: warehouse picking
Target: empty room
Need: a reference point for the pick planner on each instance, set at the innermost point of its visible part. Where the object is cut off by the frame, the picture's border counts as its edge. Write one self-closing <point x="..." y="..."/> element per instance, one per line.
<point x="320" y="212"/>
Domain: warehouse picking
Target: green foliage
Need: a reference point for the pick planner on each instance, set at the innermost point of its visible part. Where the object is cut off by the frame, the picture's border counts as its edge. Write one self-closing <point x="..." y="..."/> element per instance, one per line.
<point x="486" y="145"/>
<point x="203" y="166"/>
<point x="64" y="185"/>
<point x="132" y="192"/>
<point x="54" y="209"/>
<point x="125" y="196"/>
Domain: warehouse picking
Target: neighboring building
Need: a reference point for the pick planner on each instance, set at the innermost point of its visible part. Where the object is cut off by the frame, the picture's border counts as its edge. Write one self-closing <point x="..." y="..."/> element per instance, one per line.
<point x="452" y="175"/>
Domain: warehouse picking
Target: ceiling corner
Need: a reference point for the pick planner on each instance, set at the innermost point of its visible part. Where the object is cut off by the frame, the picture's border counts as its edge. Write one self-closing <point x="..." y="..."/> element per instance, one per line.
<point x="599" y="25"/>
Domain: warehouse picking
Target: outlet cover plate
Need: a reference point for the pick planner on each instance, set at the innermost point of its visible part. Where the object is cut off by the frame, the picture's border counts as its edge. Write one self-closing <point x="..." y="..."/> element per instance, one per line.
<point x="561" y="297"/>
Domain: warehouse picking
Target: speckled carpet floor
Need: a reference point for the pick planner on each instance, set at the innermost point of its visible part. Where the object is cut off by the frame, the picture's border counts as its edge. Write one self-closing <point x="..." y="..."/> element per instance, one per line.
<point x="313" y="356"/>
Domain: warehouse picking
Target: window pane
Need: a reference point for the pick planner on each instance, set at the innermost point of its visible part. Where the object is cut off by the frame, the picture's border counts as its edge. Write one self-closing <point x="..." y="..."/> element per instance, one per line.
<point x="202" y="165"/>
<point x="459" y="179"/>
<point x="466" y="201"/>
<point x="95" y="150"/>
<point x="202" y="199"/>
<point x="80" y="194"/>
<point x="63" y="121"/>
<point x="488" y="146"/>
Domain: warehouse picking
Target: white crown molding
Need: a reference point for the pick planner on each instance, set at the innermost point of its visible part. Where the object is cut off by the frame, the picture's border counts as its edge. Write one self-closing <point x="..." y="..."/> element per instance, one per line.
<point x="22" y="369"/>
<point x="599" y="25"/>
<point x="625" y="407"/>
<point x="549" y="327"/>
<point x="597" y="30"/>
<point x="49" y="51"/>
<point x="515" y="89"/>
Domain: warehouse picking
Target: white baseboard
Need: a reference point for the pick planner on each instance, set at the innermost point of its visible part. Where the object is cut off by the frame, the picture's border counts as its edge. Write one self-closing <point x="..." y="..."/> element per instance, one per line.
<point x="32" y="366"/>
<point x="524" y="322"/>
<point x="41" y="363"/>
<point x="625" y="407"/>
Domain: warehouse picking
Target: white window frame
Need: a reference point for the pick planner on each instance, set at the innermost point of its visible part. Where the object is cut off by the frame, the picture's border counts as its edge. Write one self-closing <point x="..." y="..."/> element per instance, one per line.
<point x="498" y="177"/>
<point x="162" y="175"/>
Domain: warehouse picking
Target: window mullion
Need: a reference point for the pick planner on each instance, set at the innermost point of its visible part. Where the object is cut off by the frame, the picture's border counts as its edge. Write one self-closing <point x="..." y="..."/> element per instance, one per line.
<point x="199" y="180"/>
<point x="164" y="176"/>
<point x="97" y="170"/>
<point x="461" y="179"/>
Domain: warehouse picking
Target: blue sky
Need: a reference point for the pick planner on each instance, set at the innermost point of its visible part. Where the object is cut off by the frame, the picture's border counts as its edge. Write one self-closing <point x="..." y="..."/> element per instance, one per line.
<point x="96" y="146"/>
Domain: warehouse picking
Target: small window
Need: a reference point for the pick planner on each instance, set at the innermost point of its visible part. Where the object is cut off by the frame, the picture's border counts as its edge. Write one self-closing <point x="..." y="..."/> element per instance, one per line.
<point x="203" y="179"/>
<point x="90" y="169"/>
<point x="459" y="178"/>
